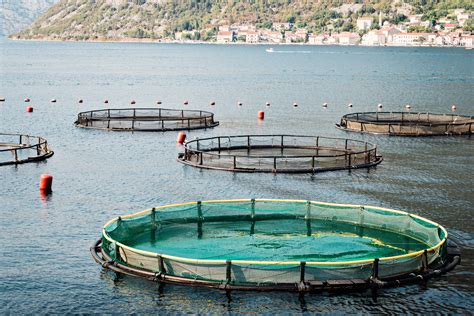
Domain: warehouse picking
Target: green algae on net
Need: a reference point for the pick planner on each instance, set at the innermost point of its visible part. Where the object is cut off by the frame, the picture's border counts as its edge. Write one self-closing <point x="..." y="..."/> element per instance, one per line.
<point x="290" y="245"/>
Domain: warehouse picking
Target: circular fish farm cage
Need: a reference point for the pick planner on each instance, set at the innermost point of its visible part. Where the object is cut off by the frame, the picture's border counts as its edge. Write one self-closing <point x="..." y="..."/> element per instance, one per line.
<point x="276" y="245"/>
<point x="146" y="119"/>
<point x="407" y="124"/>
<point x="279" y="153"/>
<point x="17" y="149"/>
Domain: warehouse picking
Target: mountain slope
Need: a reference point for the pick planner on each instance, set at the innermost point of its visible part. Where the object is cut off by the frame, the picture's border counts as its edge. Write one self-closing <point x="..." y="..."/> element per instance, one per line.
<point x="16" y="15"/>
<point x="115" y="19"/>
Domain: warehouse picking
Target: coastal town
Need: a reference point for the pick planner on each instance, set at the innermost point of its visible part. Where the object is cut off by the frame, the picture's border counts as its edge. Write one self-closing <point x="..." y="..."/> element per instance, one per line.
<point x="454" y="30"/>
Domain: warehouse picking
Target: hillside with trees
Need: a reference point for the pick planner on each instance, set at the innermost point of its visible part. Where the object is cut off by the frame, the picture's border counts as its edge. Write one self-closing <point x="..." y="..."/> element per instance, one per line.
<point x="159" y="19"/>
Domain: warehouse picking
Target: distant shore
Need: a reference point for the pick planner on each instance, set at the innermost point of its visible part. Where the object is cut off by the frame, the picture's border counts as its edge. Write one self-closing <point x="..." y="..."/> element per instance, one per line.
<point x="163" y="41"/>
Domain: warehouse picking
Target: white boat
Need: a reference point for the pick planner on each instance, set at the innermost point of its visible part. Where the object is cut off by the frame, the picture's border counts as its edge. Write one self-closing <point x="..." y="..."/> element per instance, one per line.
<point x="269" y="50"/>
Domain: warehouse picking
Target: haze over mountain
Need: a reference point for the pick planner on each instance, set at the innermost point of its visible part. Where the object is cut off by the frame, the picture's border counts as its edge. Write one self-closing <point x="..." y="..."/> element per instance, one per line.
<point x="16" y="15"/>
<point x="155" y="19"/>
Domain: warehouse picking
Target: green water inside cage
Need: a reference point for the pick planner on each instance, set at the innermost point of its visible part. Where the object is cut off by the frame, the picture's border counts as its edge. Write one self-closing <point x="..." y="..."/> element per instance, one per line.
<point x="274" y="240"/>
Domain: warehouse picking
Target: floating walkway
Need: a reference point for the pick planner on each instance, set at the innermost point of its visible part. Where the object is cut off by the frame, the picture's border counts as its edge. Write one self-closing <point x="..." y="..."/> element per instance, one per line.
<point x="17" y="149"/>
<point x="146" y="119"/>
<point x="407" y="124"/>
<point x="279" y="153"/>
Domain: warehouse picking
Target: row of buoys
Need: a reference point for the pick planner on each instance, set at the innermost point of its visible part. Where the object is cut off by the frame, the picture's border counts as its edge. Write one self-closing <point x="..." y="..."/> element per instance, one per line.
<point x="239" y="103"/>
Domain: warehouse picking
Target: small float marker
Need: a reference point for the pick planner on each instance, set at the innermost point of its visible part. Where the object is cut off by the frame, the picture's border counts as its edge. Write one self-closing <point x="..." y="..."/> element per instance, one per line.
<point x="453" y="108"/>
<point x="53" y="100"/>
<point x="239" y="103"/>
<point x="106" y="101"/>
<point x="27" y="100"/>
<point x="379" y="106"/>
<point x="261" y="115"/>
<point x="132" y="102"/>
<point x="2" y="99"/>
<point x="158" y="102"/>
<point x="325" y="105"/>
<point x="186" y="102"/>
<point x="408" y="107"/>
<point x="213" y="103"/>
<point x="349" y="105"/>
<point x="81" y="101"/>
<point x="295" y="104"/>
<point x="267" y="104"/>
<point x="181" y="138"/>
<point x="46" y="183"/>
<point x="29" y="109"/>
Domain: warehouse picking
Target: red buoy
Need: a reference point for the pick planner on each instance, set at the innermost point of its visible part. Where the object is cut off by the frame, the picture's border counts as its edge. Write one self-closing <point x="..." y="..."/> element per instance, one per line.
<point x="29" y="109"/>
<point x="261" y="115"/>
<point x="46" y="183"/>
<point x="181" y="138"/>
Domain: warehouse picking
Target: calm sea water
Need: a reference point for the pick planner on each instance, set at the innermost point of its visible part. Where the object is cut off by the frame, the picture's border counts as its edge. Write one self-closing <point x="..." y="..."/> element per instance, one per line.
<point x="44" y="256"/>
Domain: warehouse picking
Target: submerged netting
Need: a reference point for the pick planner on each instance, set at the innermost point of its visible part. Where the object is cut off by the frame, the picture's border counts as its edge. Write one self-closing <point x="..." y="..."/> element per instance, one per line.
<point x="255" y="242"/>
<point x="146" y="119"/>
<point x="279" y="153"/>
<point x="18" y="149"/>
<point x="408" y="124"/>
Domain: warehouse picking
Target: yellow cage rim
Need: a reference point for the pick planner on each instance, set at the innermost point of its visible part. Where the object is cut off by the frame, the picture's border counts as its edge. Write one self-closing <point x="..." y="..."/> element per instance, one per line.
<point x="270" y="263"/>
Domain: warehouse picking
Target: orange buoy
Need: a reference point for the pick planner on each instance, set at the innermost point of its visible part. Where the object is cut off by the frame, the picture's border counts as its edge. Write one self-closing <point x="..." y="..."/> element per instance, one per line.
<point x="295" y="105"/>
<point x="106" y="101"/>
<point x="27" y="100"/>
<point x="213" y="103"/>
<point x="158" y="102"/>
<point x="453" y="108"/>
<point x="81" y="101"/>
<point x="46" y="183"/>
<point x="186" y="102"/>
<point x="181" y="138"/>
<point x="349" y="105"/>
<point x="132" y="102"/>
<point x="267" y="104"/>
<point x="29" y="109"/>
<point x="53" y="100"/>
<point x="261" y="115"/>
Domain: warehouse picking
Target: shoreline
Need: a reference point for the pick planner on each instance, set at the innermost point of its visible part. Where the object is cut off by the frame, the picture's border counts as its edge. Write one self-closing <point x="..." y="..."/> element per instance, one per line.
<point x="152" y="41"/>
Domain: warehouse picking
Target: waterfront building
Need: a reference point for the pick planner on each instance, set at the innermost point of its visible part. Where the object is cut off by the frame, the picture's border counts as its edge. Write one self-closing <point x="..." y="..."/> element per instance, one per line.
<point x="411" y="39"/>
<point x="467" y="41"/>
<point x="225" y="37"/>
<point x="251" y="37"/>
<point x="347" y="38"/>
<point x="317" y="39"/>
<point x="374" y="38"/>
